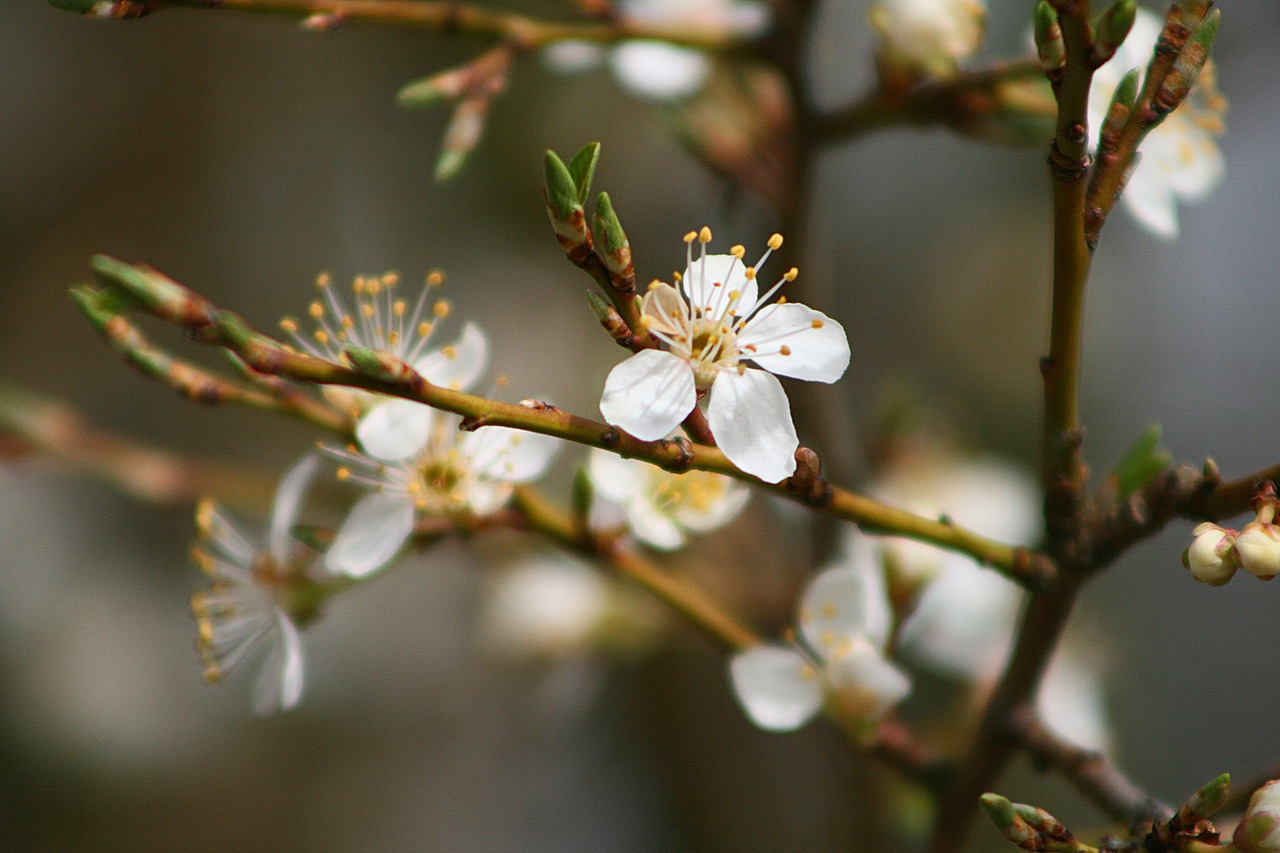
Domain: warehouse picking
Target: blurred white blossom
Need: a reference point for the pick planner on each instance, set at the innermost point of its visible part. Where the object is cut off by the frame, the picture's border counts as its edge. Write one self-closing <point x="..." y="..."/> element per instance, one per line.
<point x="843" y="627"/>
<point x="1179" y="159"/>
<point x="928" y="37"/>
<point x="661" y="506"/>
<point x="543" y="607"/>
<point x="243" y="612"/>
<point x="713" y="326"/>
<point x="658" y="70"/>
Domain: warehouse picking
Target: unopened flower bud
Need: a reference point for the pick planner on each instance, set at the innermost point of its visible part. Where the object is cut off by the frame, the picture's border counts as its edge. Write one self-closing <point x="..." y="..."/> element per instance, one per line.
<point x="1258" y="546"/>
<point x="1259" y="829"/>
<point x="1211" y="558"/>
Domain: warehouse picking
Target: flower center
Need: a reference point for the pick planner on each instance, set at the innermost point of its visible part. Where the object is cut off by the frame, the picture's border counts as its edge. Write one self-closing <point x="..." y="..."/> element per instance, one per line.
<point x="441" y="484"/>
<point x="696" y="491"/>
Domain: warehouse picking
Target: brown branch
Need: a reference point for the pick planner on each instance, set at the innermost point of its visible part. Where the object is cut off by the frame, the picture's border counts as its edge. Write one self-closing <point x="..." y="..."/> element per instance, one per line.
<point x="174" y="303"/>
<point x="1088" y="770"/>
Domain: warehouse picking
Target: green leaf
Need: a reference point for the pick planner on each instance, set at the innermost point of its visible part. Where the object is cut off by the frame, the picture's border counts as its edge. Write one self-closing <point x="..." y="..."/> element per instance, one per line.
<point x="583" y="167"/>
<point x="1141" y="463"/>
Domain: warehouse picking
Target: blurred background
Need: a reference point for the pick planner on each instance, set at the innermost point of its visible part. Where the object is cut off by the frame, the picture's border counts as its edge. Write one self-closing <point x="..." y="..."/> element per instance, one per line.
<point x="242" y="155"/>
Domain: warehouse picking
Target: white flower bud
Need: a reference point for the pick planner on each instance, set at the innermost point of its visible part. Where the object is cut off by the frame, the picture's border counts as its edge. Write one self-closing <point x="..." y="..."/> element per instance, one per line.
<point x="928" y="37"/>
<point x="1259" y="548"/>
<point x="1210" y="557"/>
<point x="1259" y="829"/>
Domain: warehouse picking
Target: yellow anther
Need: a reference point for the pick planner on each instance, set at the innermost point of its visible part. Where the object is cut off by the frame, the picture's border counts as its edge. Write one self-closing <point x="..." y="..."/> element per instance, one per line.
<point x="204" y="516"/>
<point x="289" y="325"/>
<point x="440" y="309"/>
<point x="734" y="294"/>
<point x="782" y="300"/>
<point x="691" y="236"/>
<point x="399" y="307"/>
<point x="450" y="352"/>
<point x="677" y="277"/>
<point x="656" y="283"/>
<point x="829" y="610"/>
<point x="347" y="322"/>
<point x="775" y="242"/>
<point x="435" y="278"/>
<point x="750" y="273"/>
<point x="373" y="287"/>
<point x="322" y="338"/>
<point x="738" y="251"/>
<point x="393" y="337"/>
<point x="316" y="310"/>
<point x="323" y="279"/>
<point x="390" y="278"/>
<point x="790" y="275"/>
<point x="357" y="285"/>
<point x="424" y="329"/>
<point x="785" y="350"/>
<point x="344" y="473"/>
<point x="646" y="321"/>
<point x="817" y="324"/>
<point x="704" y="236"/>
<point x="366" y="310"/>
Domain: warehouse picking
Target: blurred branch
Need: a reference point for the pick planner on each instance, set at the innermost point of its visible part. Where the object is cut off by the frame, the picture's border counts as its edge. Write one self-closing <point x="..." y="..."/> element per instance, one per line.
<point x="48" y="429"/>
<point x="442" y="16"/>
<point x="1090" y="771"/>
<point x="960" y="102"/>
<point x="151" y="291"/>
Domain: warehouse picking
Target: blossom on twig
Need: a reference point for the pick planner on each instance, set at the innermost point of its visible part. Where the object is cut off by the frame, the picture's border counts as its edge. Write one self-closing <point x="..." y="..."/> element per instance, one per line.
<point x="244" y="612"/>
<point x="713" y="326"/>
<point x="926" y="38"/>
<point x="838" y="655"/>
<point x="661" y="506"/>
<point x="452" y="473"/>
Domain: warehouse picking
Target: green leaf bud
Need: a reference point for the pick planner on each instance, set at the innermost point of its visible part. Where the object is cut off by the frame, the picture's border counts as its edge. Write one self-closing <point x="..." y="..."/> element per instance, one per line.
<point x="583" y="167"/>
<point x="1048" y="35"/>
<point x="1113" y="28"/>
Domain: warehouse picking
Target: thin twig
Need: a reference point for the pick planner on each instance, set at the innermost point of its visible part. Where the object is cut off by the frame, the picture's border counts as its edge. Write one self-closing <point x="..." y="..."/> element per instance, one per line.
<point x="177" y="304"/>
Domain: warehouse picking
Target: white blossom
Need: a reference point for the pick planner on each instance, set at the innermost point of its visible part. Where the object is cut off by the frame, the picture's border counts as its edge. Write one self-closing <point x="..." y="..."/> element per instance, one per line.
<point x="1179" y="159"/>
<point x="722" y="339"/>
<point x="243" y="612"/>
<point x="450" y="473"/>
<point x="658" y="70"/>
<point x="843" y="627"/>
<point x="963" y="618"/>
<point x="660" y="506"/>
<point x="382" y="321"/>
<point x="928" y="37"/>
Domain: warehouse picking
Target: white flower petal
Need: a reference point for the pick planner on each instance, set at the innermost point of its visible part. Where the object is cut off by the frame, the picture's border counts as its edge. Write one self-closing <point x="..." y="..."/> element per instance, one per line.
<point x="751" y="420"/>
<point x="287" y="505"/>
<point x="459" y="364"/>
<point x="653" y="526"/>
<point x="509" y="455"/>
<point x="394" y="429"/>
<point x="614" y="478"/>
<point x="279" y="685"/>
<point x="833" y="609"/>
<point x="659" y="71"/>
<point x="817" y="348"/>
<point x="373" y="532"/>
<point x="777" y="687"/>
<point x="864" y="682"/>
<point x="963" y="622"/>
<point x="488" y="496"/>
<point x="708" y="281"/>
<point x="1151" y="200"/>
<point x="649" y="394"/>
